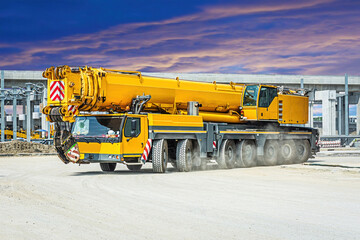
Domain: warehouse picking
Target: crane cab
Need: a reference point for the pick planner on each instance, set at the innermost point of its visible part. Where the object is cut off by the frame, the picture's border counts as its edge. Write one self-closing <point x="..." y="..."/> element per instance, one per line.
<point x="266" y="103"/>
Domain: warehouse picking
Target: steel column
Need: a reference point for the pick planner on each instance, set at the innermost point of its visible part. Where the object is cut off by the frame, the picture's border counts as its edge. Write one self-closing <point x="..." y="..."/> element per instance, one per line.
<point x="44" y="123"/>
<point x="346" y="105"/>
<point x="28" y="112"/>
<point x="2" y="113"/>
<point x="340" y="115"/>
<point x="302" y="83"/>
<point x="14" y="113"/>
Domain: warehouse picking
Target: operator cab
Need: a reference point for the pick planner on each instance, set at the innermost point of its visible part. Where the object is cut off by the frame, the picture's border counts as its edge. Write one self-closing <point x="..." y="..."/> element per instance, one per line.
<point x="260" y="102"/>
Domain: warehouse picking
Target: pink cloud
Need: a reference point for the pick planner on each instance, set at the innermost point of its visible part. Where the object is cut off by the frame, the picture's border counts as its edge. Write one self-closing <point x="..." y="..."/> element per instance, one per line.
<point x="315" y="48"/>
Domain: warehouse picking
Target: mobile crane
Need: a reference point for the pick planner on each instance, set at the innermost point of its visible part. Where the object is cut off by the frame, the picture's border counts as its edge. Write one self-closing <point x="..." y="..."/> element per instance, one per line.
<point x="113" y="116"/>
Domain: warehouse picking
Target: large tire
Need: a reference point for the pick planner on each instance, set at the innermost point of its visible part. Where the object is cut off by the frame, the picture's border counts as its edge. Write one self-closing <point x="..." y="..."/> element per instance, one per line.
<point x="302" y="151"/>
<point x="245" y="153"/>
<point x="108" y="167"/>
<point x="184" y="155"/>
<point x="227" y="155"/>
<point x="288" y="151"/>
<point x="271" y="153"/>
<point x="134" y="168"/>
<point x="160" y="156"/>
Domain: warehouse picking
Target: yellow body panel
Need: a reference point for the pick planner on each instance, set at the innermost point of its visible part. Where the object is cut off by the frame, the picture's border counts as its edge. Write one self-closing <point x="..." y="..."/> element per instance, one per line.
<point x="294" y="109"/>
<point x="269" y="113"/>
<point x="250" y="113"/>
<point x="99" y="148"/>
<point x="135" y="146"/>
<point x="175" y="120"/>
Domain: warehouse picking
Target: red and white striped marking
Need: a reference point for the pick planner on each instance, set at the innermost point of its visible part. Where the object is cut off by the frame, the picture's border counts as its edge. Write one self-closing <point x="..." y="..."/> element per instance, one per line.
<point x="72" y="108"/>
<point x="73" y="153"/>
<point x="145" y="155"/>
<point x="57" y="90"/>
<point x="214" y="144"/>
<point x="329" y="144"/>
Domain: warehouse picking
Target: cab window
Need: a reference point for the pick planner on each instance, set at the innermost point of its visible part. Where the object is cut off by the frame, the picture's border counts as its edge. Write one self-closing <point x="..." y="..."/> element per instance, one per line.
<point x="250" y="96"/>
<point x="132" y="125"/>
<point x="266" y="96"/>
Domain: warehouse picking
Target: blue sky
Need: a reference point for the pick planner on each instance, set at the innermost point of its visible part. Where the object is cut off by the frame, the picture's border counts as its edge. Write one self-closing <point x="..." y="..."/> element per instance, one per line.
<point x="317" y="37"/>
<point x="317" y="110"/>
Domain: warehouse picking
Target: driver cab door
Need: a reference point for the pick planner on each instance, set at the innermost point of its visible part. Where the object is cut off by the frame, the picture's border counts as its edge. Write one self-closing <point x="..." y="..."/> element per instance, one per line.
<point x="250" y="99"/>
<point x="268" y="104"/>
<point x="134" y="136"/>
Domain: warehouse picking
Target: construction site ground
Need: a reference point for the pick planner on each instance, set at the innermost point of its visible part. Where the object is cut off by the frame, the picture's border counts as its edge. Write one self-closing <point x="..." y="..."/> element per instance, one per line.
<point x="42" y="198"/>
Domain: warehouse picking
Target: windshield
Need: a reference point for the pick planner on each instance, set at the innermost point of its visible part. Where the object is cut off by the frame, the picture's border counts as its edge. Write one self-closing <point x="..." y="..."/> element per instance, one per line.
<point x="97" y="126"/>
<point x="250" y="96"/>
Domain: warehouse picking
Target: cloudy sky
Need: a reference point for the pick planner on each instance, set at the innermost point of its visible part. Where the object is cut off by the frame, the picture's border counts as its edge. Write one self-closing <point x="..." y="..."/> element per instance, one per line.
<point x="317" y="37"/>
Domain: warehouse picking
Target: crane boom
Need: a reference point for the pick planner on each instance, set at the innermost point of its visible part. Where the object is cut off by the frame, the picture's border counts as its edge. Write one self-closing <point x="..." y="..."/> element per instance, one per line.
<point x="98" y="89"/>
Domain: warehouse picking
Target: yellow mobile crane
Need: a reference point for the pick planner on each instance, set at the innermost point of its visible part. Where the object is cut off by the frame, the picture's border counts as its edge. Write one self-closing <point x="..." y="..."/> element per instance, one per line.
<point x="112" y="116"/>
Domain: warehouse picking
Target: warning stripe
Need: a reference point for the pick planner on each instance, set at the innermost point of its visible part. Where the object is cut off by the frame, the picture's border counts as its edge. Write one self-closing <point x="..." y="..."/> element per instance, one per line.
<point x="57" y="90"/>
<point x="72" y="108"/>
<point x="146" y="152"/>
<point x="214" y="144"/>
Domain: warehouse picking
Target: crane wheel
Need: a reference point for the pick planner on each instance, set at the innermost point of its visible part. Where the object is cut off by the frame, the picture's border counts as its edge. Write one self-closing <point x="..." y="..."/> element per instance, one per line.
<point x="271" y="153"/>
<point x="227" y="155"/>
<point x="134" y="168"/>
<point x="184" y="155"/>
<point x="302" y="151"/>
<point x="288" y="151"/>
<point x="108" y="167"/>
<point x="245" y="153"/>
<point x="160" y="156"/>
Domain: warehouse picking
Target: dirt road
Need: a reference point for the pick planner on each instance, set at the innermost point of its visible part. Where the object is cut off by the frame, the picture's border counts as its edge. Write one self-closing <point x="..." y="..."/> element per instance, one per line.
<point x="41" y="198"/>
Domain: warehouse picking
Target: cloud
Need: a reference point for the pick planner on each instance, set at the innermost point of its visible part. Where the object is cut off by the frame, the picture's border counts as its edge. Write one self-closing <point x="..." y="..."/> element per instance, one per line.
<point x="292" y="37"/>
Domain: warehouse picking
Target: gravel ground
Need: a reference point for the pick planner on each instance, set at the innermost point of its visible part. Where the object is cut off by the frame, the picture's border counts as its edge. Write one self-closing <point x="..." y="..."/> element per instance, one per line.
<point x="42" y="198"/>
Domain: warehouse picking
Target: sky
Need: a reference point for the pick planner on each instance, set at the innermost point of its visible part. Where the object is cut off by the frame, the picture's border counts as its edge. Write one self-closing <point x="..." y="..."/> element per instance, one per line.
<point x="317" y="110"/>
<point x="310" y="37"/>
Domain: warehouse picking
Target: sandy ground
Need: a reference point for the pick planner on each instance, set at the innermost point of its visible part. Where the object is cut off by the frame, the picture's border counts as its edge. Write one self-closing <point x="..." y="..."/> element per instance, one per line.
<point x="42" y="198"/>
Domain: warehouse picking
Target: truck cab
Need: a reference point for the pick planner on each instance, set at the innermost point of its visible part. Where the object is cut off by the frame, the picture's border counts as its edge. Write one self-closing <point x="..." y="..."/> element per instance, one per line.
<point x="115" y="138"/>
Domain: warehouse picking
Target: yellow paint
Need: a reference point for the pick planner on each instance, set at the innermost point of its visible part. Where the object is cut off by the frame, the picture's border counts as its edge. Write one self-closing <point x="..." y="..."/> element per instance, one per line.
<point x="20" y="134"/>
<point x="99" y="148"/>
<point x="175" y="120"/>
<point x="177" y="131"/>
<point x="250" y="112"/>
<point x="269" y="113"/>
<point x="136" y="144"/>
<point x="231" y="117"/>
<point x="133" y="155"/>
<point x="294" y="109"/>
